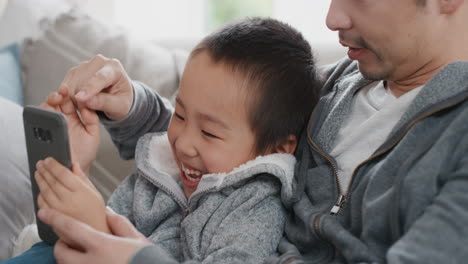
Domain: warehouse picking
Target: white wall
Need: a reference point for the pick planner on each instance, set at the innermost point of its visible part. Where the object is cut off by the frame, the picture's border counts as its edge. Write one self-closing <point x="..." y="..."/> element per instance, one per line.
<point x="183" y="22"/>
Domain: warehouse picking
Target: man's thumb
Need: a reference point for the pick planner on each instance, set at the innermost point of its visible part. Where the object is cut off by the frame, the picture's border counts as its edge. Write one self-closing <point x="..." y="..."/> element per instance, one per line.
<point x="121" y="226"/>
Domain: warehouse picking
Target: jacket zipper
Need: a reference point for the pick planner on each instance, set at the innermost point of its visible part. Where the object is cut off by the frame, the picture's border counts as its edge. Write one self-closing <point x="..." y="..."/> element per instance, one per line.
<point x="182" y="204"/>
<point x="343" y="198"/>
<point x="199" y="193"/>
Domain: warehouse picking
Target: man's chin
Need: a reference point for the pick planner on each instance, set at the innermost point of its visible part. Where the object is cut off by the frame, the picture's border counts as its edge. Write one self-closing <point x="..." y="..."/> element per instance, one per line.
<point x="373" y="72"/>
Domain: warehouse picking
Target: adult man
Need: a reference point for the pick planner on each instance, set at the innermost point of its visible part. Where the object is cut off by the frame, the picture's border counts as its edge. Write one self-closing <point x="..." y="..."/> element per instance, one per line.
<point x="383" y="166"/>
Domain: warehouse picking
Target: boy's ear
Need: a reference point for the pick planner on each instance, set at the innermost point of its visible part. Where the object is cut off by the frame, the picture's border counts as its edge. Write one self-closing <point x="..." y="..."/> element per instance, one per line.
<point x="289" y="146"/>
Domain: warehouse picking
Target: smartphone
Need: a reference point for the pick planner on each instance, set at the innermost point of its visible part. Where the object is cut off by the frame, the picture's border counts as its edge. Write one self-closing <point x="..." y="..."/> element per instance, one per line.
<point x="46" y="136"/>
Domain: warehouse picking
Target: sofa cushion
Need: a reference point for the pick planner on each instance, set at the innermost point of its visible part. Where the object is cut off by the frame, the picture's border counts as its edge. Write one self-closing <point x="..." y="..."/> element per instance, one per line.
<point x="75" y="37"/>
<point x="10" y="74"/>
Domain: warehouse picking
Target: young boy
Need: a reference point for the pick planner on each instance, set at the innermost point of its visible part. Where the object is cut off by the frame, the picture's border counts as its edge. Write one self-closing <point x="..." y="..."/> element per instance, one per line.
<point x="213" y="188"/>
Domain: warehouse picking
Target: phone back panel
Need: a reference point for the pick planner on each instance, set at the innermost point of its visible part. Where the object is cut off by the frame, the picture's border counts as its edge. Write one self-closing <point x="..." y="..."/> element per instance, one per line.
<point x="46" y="136"/>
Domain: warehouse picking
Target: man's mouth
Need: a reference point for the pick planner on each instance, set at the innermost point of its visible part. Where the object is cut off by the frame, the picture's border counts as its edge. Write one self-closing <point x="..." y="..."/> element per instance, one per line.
<point x="355" y="52"/>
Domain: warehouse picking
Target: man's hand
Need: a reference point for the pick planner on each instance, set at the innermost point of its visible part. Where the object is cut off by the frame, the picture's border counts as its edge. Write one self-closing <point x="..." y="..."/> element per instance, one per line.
<point x="94" y="246"/>
<point x="101" y="84"/>
<point x="70" y="193"/>
<point x="84" y="139"/>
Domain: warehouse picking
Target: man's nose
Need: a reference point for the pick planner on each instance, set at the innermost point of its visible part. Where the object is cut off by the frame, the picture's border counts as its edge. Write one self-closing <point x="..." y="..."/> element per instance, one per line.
<point x="338" y="17"/>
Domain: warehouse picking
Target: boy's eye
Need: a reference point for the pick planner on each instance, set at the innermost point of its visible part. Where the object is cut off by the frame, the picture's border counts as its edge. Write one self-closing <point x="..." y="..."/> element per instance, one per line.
<point x="208" y="134"/>
<point x="179" y="116"/>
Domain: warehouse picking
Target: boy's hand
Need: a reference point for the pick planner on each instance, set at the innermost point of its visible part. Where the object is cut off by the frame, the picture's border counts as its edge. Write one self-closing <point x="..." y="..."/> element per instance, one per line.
<point x="84" y="139"/>
<point x="70" y="193"/>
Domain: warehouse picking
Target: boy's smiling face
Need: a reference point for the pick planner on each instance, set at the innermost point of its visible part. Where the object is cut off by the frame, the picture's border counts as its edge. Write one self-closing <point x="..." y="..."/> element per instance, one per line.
<point x="209" y="131"/>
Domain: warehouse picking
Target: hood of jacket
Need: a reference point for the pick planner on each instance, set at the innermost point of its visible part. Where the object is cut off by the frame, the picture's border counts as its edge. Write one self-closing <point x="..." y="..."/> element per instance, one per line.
<point x="156" y="162"/>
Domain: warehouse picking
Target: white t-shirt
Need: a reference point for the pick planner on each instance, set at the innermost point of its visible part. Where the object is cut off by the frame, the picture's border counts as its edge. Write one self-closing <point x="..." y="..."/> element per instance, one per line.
<point x="374" y="113"/>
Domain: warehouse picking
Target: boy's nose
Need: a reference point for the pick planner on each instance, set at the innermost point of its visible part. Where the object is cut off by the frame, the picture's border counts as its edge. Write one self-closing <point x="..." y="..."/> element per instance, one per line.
<point x="337" y="17"/>
<point x="185" y="147"/>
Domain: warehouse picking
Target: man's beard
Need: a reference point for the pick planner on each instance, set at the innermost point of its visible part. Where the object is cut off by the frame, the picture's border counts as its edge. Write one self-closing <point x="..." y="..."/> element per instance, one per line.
<point x="383" y="74"/>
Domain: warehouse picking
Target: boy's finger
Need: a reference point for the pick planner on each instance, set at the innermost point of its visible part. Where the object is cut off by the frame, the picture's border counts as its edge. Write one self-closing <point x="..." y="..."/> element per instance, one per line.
<point x="91" y="119"/>
<point x="64" y="90"/>
<point x="50" y="107"/>
<point x="55" y="184"/>
<point x="54" y="99"/>
<point x="62" y="175"/>
<point x="76" y="168"/>
<point x="68" y="107"/>
<point x="41" y="203"/>
<point x="47" y="194"/>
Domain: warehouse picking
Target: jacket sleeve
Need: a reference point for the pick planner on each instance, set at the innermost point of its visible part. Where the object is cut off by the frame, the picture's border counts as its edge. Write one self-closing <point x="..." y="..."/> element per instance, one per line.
<point x="440" y="234"/>
<point x="149" y="113"/>
<point x="243" y="236"/>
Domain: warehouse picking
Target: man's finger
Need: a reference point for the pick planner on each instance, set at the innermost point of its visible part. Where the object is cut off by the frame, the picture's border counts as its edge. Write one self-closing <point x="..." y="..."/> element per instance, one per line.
<point x="121" y="226"/>
<point x="105" y="77"/>
<point x="65" y="254"/>
<point x="74" y="231"/>
<point x="106" y="103"/>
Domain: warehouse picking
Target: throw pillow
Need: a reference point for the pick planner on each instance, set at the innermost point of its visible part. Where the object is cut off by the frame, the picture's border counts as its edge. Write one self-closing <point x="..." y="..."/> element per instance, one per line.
<point x="10" y="74"/>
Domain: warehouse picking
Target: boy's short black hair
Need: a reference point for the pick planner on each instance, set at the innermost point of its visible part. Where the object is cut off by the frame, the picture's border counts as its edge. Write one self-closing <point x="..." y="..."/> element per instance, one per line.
<point x="278" y="65"/>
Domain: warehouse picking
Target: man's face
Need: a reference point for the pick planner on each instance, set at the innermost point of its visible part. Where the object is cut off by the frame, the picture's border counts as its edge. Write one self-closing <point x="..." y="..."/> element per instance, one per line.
<point x="390" y="39"/>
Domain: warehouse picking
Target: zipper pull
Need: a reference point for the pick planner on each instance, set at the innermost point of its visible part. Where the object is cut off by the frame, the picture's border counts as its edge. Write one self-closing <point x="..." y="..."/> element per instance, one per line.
<point x="338" y="205"/>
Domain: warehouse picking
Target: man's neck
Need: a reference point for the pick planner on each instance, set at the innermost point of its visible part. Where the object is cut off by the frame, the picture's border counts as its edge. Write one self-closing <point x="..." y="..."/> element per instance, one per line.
<point x="420" y="77"/>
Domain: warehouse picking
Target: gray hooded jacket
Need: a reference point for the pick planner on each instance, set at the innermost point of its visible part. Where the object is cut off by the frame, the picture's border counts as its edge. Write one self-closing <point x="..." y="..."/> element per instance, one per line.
<point x="407" y="203"/>
<point x="234" y="217"/>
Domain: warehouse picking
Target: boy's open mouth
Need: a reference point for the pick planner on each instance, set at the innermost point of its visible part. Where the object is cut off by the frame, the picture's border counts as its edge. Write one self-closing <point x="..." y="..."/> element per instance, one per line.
<point x="190" y="177"/>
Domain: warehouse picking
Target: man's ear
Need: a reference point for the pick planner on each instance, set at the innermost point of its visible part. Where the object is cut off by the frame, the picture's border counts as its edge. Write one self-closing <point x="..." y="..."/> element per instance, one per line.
<point x="449" y="6"/>
<point x="288" y="146"/>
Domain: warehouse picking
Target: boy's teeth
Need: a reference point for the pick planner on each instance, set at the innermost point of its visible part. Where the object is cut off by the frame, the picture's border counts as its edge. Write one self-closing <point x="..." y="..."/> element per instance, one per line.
<point x="187" y="171"/>
<point x="192" y="179"/>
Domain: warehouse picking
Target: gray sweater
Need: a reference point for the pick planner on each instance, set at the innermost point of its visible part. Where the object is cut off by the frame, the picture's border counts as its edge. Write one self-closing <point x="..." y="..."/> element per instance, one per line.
<point x="407" y="203"/>
<point x="234" y="217"/>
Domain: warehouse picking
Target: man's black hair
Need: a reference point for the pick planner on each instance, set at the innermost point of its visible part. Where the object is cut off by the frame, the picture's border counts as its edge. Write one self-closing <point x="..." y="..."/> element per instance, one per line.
<point x="278" y="64"/>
